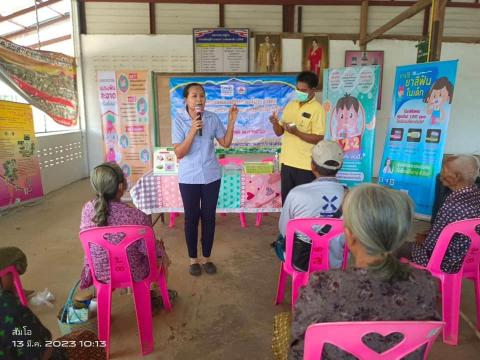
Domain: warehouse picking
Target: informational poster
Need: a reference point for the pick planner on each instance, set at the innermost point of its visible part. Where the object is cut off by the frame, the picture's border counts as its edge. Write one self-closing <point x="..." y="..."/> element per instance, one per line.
<point x="350" y="100"/>
<point x="220" y="50"/>
<point x="362" y="58"/>
<point x="124" y="105"/>
<point x="164" y="161"/>
<point x="417" y="131"/>
<point x="46" y="79"/>
<point x="256" y="97"/>
<point x="20" y="178"/>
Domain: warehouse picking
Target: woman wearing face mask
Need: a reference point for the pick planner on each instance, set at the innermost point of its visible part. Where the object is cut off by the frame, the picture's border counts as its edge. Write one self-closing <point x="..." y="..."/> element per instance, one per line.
<point x="199" y="174"/>
<point x="302" y="126"/>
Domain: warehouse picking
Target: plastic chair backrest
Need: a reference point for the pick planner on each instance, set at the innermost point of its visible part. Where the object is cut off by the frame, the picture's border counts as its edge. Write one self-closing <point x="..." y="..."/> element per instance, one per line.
<point x="319" y="255"/>
<point x="12" y="269"/>
<point x="472" y="259"/>
<point x="120" y="273"/>
<point x="348" y="337"/>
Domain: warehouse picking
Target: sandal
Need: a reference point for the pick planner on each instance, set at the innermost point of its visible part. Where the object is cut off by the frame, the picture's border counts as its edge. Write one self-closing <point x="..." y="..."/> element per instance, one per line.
<point x="209" y="268"/>
<point x="195" y="270"/>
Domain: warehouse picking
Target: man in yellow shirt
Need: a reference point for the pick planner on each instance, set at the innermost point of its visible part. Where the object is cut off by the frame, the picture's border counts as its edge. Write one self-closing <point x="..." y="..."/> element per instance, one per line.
<point x="302" y="126"/>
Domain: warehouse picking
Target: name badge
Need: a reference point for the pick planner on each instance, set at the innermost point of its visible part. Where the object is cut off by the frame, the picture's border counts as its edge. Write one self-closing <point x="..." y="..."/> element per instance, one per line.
<point x="307" y="115"/>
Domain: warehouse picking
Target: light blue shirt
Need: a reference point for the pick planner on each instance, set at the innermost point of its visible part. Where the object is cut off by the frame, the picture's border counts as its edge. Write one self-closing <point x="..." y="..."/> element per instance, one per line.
<point x="200" y="165"/>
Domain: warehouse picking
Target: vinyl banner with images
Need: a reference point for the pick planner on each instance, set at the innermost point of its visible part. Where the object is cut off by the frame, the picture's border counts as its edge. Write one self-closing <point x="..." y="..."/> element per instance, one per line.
<point x="256" y="97"/>
<point x="417" y="130"/>
<point x="124" y="106"/>
<point x="45" y="79"/>
<point x="350" y="99"/>
<point x="20" y="178"/>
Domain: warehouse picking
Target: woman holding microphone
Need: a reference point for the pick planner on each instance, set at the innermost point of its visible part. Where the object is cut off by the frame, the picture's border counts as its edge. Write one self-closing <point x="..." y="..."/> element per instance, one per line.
<point x="199" y="174"/>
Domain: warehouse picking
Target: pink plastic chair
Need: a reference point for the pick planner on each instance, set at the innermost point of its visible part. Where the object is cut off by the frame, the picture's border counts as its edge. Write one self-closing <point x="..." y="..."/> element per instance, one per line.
<point x="348" y="336"/>
<point x="121" y="277"/>
<point x="16" y="281"/>
<point x="173" y="215"/>
<point x="239" y="162"/>
<point x="451" y="284"/>
<point x="319" y="260"/>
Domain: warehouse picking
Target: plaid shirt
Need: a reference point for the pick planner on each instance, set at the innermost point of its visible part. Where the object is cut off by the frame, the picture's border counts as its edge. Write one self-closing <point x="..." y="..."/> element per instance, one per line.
<point x="460" y="205"/>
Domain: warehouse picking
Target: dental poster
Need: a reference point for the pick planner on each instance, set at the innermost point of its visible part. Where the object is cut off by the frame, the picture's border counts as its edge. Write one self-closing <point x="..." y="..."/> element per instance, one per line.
<point x="417" y="131"/>
<point x="350" y="99"/>
<point x="124" y="106"/>
<point x="20" y="178"/>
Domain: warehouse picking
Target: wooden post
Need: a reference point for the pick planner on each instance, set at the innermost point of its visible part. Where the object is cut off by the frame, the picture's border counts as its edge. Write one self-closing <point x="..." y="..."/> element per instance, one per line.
<point x="363" y="25"/>
<point x="153" y="21"/>
<point x="300" y="19"/>
<point x="288" y="18"/>
<point x="436" y="34"/>
<point x="221" y="15"/>
<point x="411" y="11"/>
<point x="82" y="17"/>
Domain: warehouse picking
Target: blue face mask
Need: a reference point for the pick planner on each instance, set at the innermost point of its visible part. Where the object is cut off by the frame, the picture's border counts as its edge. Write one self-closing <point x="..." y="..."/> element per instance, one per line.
<point x="301" y="96"/>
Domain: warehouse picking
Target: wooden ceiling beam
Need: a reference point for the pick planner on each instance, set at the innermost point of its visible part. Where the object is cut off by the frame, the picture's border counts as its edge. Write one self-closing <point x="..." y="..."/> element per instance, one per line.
<point x="363" y="25"/>
<point x="294" y="2"/>
<point x="34" y="27"/>
<point x="28" y="10"/>
<point x="408" y="13"/>
<point x="50" y="42"/>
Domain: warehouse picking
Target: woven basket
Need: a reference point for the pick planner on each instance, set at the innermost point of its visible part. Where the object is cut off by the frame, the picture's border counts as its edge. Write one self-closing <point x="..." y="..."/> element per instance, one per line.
<point x="67" y="328"/>
<point x="281" y="335"/>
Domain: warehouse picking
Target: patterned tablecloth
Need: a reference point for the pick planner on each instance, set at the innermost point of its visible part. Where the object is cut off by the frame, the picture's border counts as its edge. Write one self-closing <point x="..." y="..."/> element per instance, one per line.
<point x="239" y="192"/>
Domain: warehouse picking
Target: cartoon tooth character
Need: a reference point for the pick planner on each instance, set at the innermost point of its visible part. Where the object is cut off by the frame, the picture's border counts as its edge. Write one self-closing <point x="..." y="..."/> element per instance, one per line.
<point x="439" y="95"/>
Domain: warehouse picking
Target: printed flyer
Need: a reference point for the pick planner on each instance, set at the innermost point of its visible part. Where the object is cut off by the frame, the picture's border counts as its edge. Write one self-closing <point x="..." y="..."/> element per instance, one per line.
<point x="350" y="100"/>
<point x="165" y="161"/>
<point x="417" y="131"/>
<point x="124" y="107"/>
<point x="256" y="97"/>
<point x="20" y="178"/>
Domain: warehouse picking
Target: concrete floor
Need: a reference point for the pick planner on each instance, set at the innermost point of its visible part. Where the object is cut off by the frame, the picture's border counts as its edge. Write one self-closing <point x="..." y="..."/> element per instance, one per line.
<point x="226" y="316"/>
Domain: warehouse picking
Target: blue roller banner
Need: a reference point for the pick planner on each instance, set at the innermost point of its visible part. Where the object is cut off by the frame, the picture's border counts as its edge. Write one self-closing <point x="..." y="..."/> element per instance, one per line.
<point x="417" y="130"/>
<point x="256" y="97"/>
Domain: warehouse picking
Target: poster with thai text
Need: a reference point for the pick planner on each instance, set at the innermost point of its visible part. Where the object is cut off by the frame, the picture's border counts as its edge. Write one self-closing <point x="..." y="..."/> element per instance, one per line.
<point x="124" y="105"/>
<point x="20" y="178"/>
<point x="350" y="99"/>
<point x="417" y="130"/>
<point x="256" y="97"/>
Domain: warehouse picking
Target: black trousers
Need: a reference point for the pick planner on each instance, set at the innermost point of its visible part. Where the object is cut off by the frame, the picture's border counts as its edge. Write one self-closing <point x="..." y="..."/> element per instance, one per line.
<point x="292" y="177"/>
<point x="200" y="202"/>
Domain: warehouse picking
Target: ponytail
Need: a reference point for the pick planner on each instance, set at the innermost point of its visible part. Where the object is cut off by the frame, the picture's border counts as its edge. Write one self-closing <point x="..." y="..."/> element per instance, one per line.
<point x="105" y="180"/>
<point x="101" y="211"/>
<point x="390" y="268"/>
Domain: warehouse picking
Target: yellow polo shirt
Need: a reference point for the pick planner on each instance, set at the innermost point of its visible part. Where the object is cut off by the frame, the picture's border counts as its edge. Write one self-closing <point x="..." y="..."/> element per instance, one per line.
<point x="310" y="119"/>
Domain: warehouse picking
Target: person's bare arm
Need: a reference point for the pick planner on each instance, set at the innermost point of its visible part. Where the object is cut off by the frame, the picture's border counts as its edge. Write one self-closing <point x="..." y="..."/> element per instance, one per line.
<point x="277" y="128"/>
<point x="226" y="141"/>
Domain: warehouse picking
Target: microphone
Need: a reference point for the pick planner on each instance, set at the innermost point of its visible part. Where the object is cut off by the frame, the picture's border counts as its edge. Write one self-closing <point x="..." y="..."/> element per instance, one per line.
<point x="199" y="112"/>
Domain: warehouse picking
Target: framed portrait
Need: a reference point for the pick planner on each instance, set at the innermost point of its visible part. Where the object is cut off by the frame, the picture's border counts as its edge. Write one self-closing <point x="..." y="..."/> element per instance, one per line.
<point x="360" y="58"/>
<point x="268" y="53"/>
<point x="315" y="55"/>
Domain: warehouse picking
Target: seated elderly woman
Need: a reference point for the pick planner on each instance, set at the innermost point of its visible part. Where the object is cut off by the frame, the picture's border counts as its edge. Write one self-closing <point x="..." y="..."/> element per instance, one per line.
<point x="458" y="174"/>
<point x="109" y="184"/>
<point x="377" y="221"/>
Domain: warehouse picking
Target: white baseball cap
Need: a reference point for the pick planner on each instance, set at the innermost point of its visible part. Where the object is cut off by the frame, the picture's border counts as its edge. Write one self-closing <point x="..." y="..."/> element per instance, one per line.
<point x="326" y="151"/>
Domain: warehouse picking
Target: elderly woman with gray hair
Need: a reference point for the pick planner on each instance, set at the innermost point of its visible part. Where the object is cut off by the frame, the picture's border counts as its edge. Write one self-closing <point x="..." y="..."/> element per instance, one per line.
<point x="377" y="222"/>
<point x="459" y="173"/>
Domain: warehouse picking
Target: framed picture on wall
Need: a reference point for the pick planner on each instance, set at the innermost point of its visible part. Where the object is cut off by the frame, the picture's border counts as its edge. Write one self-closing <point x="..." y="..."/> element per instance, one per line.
<point x="315" y="55"/>
<point x="268" y="53"/>
<point x="360" y="58"/>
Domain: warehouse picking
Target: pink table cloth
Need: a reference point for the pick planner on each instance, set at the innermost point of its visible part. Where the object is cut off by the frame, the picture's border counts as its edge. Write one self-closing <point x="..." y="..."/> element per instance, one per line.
<point x="249" y="193"/>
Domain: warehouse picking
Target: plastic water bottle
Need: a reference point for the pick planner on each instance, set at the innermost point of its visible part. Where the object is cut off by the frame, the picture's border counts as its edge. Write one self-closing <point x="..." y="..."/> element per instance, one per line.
<point x="276" y="163"/>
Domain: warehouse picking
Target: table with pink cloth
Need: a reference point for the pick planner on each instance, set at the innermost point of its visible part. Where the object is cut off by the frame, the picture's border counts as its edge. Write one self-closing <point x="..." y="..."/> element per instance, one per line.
<point x="239" y="192"/>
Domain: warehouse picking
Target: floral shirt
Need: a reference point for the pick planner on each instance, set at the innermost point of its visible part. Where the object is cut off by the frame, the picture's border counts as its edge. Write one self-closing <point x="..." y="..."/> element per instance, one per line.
<point x="118" y="214"/>
<point x="459" y="205"/>
<point x="358" y="295"/>
<point x="22" y="335"/>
